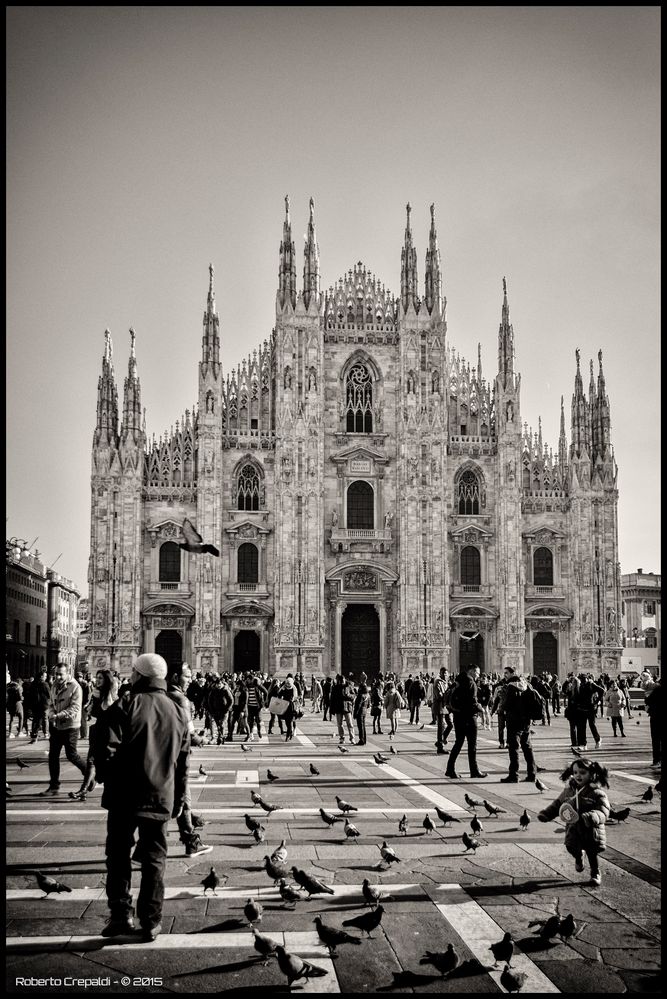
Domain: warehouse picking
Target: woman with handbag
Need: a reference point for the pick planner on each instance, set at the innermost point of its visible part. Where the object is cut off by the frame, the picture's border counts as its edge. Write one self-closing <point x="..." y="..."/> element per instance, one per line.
<point x="288" y="692"/>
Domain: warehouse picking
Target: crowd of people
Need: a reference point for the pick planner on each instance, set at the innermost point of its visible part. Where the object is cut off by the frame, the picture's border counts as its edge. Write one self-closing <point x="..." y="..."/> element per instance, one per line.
<point x="140" y="731"/>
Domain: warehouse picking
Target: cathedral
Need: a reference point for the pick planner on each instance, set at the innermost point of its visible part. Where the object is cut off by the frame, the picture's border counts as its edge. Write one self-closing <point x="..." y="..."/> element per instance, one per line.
<point x="376" y="501"/>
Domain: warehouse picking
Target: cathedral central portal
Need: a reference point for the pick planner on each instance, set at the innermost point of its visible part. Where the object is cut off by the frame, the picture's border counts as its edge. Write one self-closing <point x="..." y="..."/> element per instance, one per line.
<point x="246" y="652"/>
<point x="360" y="641"/>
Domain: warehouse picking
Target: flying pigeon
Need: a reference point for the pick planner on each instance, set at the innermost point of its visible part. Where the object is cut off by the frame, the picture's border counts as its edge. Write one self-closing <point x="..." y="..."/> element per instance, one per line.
<point x="567" y="927"/>
<point x="275" y="871"/>
<point x="288" y="894"/>
<point x="48" y="884"/>
<point x="403" y="825"/>
<point x="253" y="911"/>
<point x="345" y="806"/>
<point x="472" y="802"/>
<point x="202" y="771"/>
<point x="493" y="809"/>
<point x="445" y="816"/>
<point x="503" y="950"/>
<point x="351" y="831"/>
<point x="265" y="946"/>
<point x="470" y="843"/>
<point x="513" y="981"/>
<point x="21" y="764"/>
<point x="328" y="817"/>
<point x="332" y="937"/>
<point x="294" y="968"/>
<point x="194" y="542"/>
<point x="279" y="855"/>
<point x="548" y="928"/>
<point x="343" y="749"/>
<point x="310" y="884"/>
<point x="647" y="795"/>
<point x="476" y="825"/>
<point x="366" y="921"/>
<point x="388" y="854"/>
<point x="211" y="881"/>
<point x="428" y="824"/>
<point x="524" y="820"/>
<point x="442" y="961"/>
<point x="271" y="777"/>
<point x="314" y="771"/>
<point x="621" y="815"/>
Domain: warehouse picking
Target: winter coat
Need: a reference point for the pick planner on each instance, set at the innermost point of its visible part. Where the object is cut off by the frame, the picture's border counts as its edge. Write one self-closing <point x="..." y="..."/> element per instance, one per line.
<point x="587" y="697"/>
<point x="41" y="695"/>
<point x="219" y="700"/>
<point x="65" y="705"/>
<point x="361" y="701"/>
<point x="393" y="702"/>
<point x="340" y="699"/>
<point x="616" y="703"/>
<point x="417" y="692"/>
<point x="377" y="700"/>
<point x="654" y="700"/>
<point x="144" y="765"/>
<point x="590" y="801"/>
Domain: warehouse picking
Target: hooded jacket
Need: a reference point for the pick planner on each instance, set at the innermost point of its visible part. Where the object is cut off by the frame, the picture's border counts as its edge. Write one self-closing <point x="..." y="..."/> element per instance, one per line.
<point x="590" y="801"/>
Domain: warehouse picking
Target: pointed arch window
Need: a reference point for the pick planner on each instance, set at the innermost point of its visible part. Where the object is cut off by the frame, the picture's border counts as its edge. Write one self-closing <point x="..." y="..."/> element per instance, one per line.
<point x="543" y="567"/>
<point x="359" y="400"/>
<point x="170" y="562"/>
<point x="468" y="494"/>
<point x="471" y="572"/>
<point x="248" y="564"/>
<point x="360" y="507"/>
<point x="248" y="488"/>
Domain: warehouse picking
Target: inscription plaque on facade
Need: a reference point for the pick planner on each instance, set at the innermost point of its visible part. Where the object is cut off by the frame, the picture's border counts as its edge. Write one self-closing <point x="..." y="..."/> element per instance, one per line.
<point x="360" y="465"/>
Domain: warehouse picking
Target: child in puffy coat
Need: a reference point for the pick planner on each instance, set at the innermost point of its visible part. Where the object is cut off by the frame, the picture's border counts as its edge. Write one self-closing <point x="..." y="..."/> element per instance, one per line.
<point x="585" y="808"/>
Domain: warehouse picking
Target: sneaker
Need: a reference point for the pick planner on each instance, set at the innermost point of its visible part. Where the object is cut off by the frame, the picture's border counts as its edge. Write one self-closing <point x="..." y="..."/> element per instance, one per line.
<point x="510" y="779"/>
<point x="501" y="745"/>
<point x="196" y="848"/>
<point x="540" y="770"/>
<point x="150" y="933"/>
<point x="12" y="736"/>
<point x="123" y="926"/>
<point x="579" y="864"/>
<point x="598" y="743"/>
<point x="596" y="879"/>
<point x="479" y="774"/>
<point x="584" y="748"/>
<point x="442" y="752"/>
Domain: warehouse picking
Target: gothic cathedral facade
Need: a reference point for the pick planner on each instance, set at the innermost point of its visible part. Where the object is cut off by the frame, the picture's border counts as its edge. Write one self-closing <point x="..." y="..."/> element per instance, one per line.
<point x="376" y="501"/>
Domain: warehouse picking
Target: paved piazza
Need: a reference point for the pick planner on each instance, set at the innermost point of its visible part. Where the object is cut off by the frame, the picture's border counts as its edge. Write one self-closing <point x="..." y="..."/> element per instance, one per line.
<point x="438" y="894"/>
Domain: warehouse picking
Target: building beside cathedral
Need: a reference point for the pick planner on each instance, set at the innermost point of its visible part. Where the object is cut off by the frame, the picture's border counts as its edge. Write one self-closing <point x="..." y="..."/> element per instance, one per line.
<point x="377" y="502"/>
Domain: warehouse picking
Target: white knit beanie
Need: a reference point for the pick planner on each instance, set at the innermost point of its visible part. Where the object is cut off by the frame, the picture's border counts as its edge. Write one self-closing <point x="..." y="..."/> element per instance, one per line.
<point x="151" y="665"/>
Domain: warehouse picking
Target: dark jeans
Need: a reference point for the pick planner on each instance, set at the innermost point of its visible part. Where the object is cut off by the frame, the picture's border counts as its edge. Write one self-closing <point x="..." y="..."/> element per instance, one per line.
<point x="656" y="739"/>
<point x="617" y="723"/>
<point x="414" y="712"/>
<point x="325" y="709"/>
<point x="38" y="721"/>
<point x="63" y="739"/>
<point x="83" y="731"/>
<point x="361" y="727"/>
<point x="577" y="728"/>
<point x="272" y="721"/>
<point x="516" y="736"/>
<point x="153" y="850"/>
<point x="255" y="718"/>
<point x="377" y="727"/>
<point x="593" y="726"/>
<point x="444" y="722"/>
<point x="555" y="701"/>
<point x="465" y="729"/>
<point x="501" y="726"/>
<point x="17" y="713"/>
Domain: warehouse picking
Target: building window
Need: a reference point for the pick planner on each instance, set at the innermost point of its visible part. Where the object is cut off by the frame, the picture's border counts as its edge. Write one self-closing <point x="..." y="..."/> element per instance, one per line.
<point x="359" y="400"/>
<point x="248" y="488"/>
<point x="649" y="608"/>
<point x="27" y="633"/>
<point x="468" y="493"/>
<point x="170" y="562"/>
<point x="360" y="507"/>
<point x="248" y="564"/>
<point x="38" y="634"/>
<point x="543" y="567"/>
<point x="471" y="572"/>
<point x="650" y="638"/>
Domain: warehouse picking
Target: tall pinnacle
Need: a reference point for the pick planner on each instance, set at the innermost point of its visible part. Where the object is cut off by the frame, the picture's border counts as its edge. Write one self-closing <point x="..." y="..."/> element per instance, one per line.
<point x="311" y="262"/>
<point x="131" y="426"/>
<point x="505" y="343"/>
<point x="106" y="428"/>
<point x="580" y="441"/>
<point x="408" y="268"/>
<point x="602" y="414"/>
<point x="433" y="273"/>
<point x="287" y="265"/>
<point x="211" y="326"/>
<point x="210" y="302"/>
<point x="562" y="440"/>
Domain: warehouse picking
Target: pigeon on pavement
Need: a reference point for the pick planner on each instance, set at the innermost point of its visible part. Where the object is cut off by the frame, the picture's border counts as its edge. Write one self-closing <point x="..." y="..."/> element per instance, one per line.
<point x="202" y="771"/>
<point x="345" y="806"/>
<point x="540" y="786"/>
<point x="621" y="815"/>
<point x="567" y="927"/>
<point x="388" y="855"/>
<point x="288" y="894"/>
<point x="267" y="807"/>
<point x="295" y="968"/>
<point x="279" y="855"/>
<point x="256" y="798"/>
<point x="314" y="771"/>
<point x="312" y="885"/>
<point x="493" y="809"/>
<point x="472" y="802"/>
<point x="394" y="752"/>
<point x="648" y="794"/>
<point x="259" y="834"/>
<point x="443" y="961"/>
<point x="548" y="928"/>
<point x="328" y="817"/>
<point x="380" y="759"/>
<point x="332" y="937"/>
<point x="49" y="885"/>
<point x="403" y="825"/>
<point x="211" y="881"/>
<point x="370" y="893"/>
<point x="351" y="831"/>
<point x="275" y="871"/>
<point x="476" y="825"/>
<point x="470" y="843"/>
<point x="21" y="764"/>
<point x="265" y="946"/>
<point x="246" y="749"/>
<point x="503" y="950"/>
<point x="524" y="820"/>
<point x="342" y="749"/>
<point x="194" y="542"/>
<point x="251" y="823"/>
<point x="366" y="921"/>
<point x="271" y="776"/>
<point x="428" y="824"/>
<point x="513" y="981"/>
<point x="445" y="816"/>
<point x="253" y="911"/>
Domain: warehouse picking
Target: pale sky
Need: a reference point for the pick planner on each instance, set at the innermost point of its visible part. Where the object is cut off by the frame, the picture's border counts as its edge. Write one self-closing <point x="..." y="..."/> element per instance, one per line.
<point x="144" y="143"/>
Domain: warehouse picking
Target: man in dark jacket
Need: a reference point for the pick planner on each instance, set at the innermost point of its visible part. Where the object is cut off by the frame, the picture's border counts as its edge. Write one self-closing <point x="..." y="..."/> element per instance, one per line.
<point x="513" y="697"/>
<point x="442" y="716"/>
<point x="144" y="771"/>
<point x="466" y="708"/>
<point x="654" y="710"/>
<point x="41" y="696"/>
<point x="361" y="704"/>
<point x="179" y="682"/>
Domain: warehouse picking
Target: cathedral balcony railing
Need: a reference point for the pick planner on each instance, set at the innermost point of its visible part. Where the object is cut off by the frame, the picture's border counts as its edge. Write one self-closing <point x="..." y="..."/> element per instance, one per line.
<point x="248" y="587"/>
<point x="481" y="590"/>
<point x="553" y="592"/>
<point x="356" y="533"/>
<point x="472" y="443"/>
<point x="156" y="588"/>
<point x="259" y="590"/>
<point x="344" y="539"/>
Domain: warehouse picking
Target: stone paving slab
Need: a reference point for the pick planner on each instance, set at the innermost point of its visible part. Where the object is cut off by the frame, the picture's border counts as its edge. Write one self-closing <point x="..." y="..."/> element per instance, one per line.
<point x="650" y="959"/>
<point x="581" y="977"/>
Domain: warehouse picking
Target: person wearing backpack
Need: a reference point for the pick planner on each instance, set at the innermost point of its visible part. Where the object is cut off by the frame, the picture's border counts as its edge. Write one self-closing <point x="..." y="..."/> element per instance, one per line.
<point x="440" y="708"/>
<point x="522" y="705"/>
<point x="466" y="708"/>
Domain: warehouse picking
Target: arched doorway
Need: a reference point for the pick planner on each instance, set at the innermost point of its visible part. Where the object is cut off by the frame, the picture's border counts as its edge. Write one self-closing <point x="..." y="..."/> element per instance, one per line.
<point x="360" y="641"/>
<point x="471" y="650"/>
<point x="545" y="653"/>
<point x="169" y="645"/>
<point x="246" y="651"/>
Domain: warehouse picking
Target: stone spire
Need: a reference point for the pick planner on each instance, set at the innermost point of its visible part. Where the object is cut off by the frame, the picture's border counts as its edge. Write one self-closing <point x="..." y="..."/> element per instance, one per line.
<point x="580" y="443"/>
<point x="591" y="428"/>
<point x="106" y="429"/>
<point x="602" y="413"/>
<point x="287" y="267"/>
<point x="505" y="343"/>
<point x="409" y="294"/>
<point x="131" y="427"/>
<point x="479" y="363"/>
<point x="562" y="440"/>
<point x="211" y="334"/>
<point x="311" y="263"/>
<point x="433" y="274"/>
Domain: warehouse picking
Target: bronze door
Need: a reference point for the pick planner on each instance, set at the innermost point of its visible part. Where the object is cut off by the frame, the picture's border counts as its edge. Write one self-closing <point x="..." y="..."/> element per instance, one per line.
<point x="246" y="651"/>
<point x="169" y="645"/>
<point x="360" y="641"/>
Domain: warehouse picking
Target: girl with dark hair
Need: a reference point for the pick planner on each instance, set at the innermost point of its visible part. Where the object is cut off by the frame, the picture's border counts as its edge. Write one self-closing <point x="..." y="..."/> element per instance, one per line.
<point x="105" y="694"/>
<point x="584" y="807"/>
